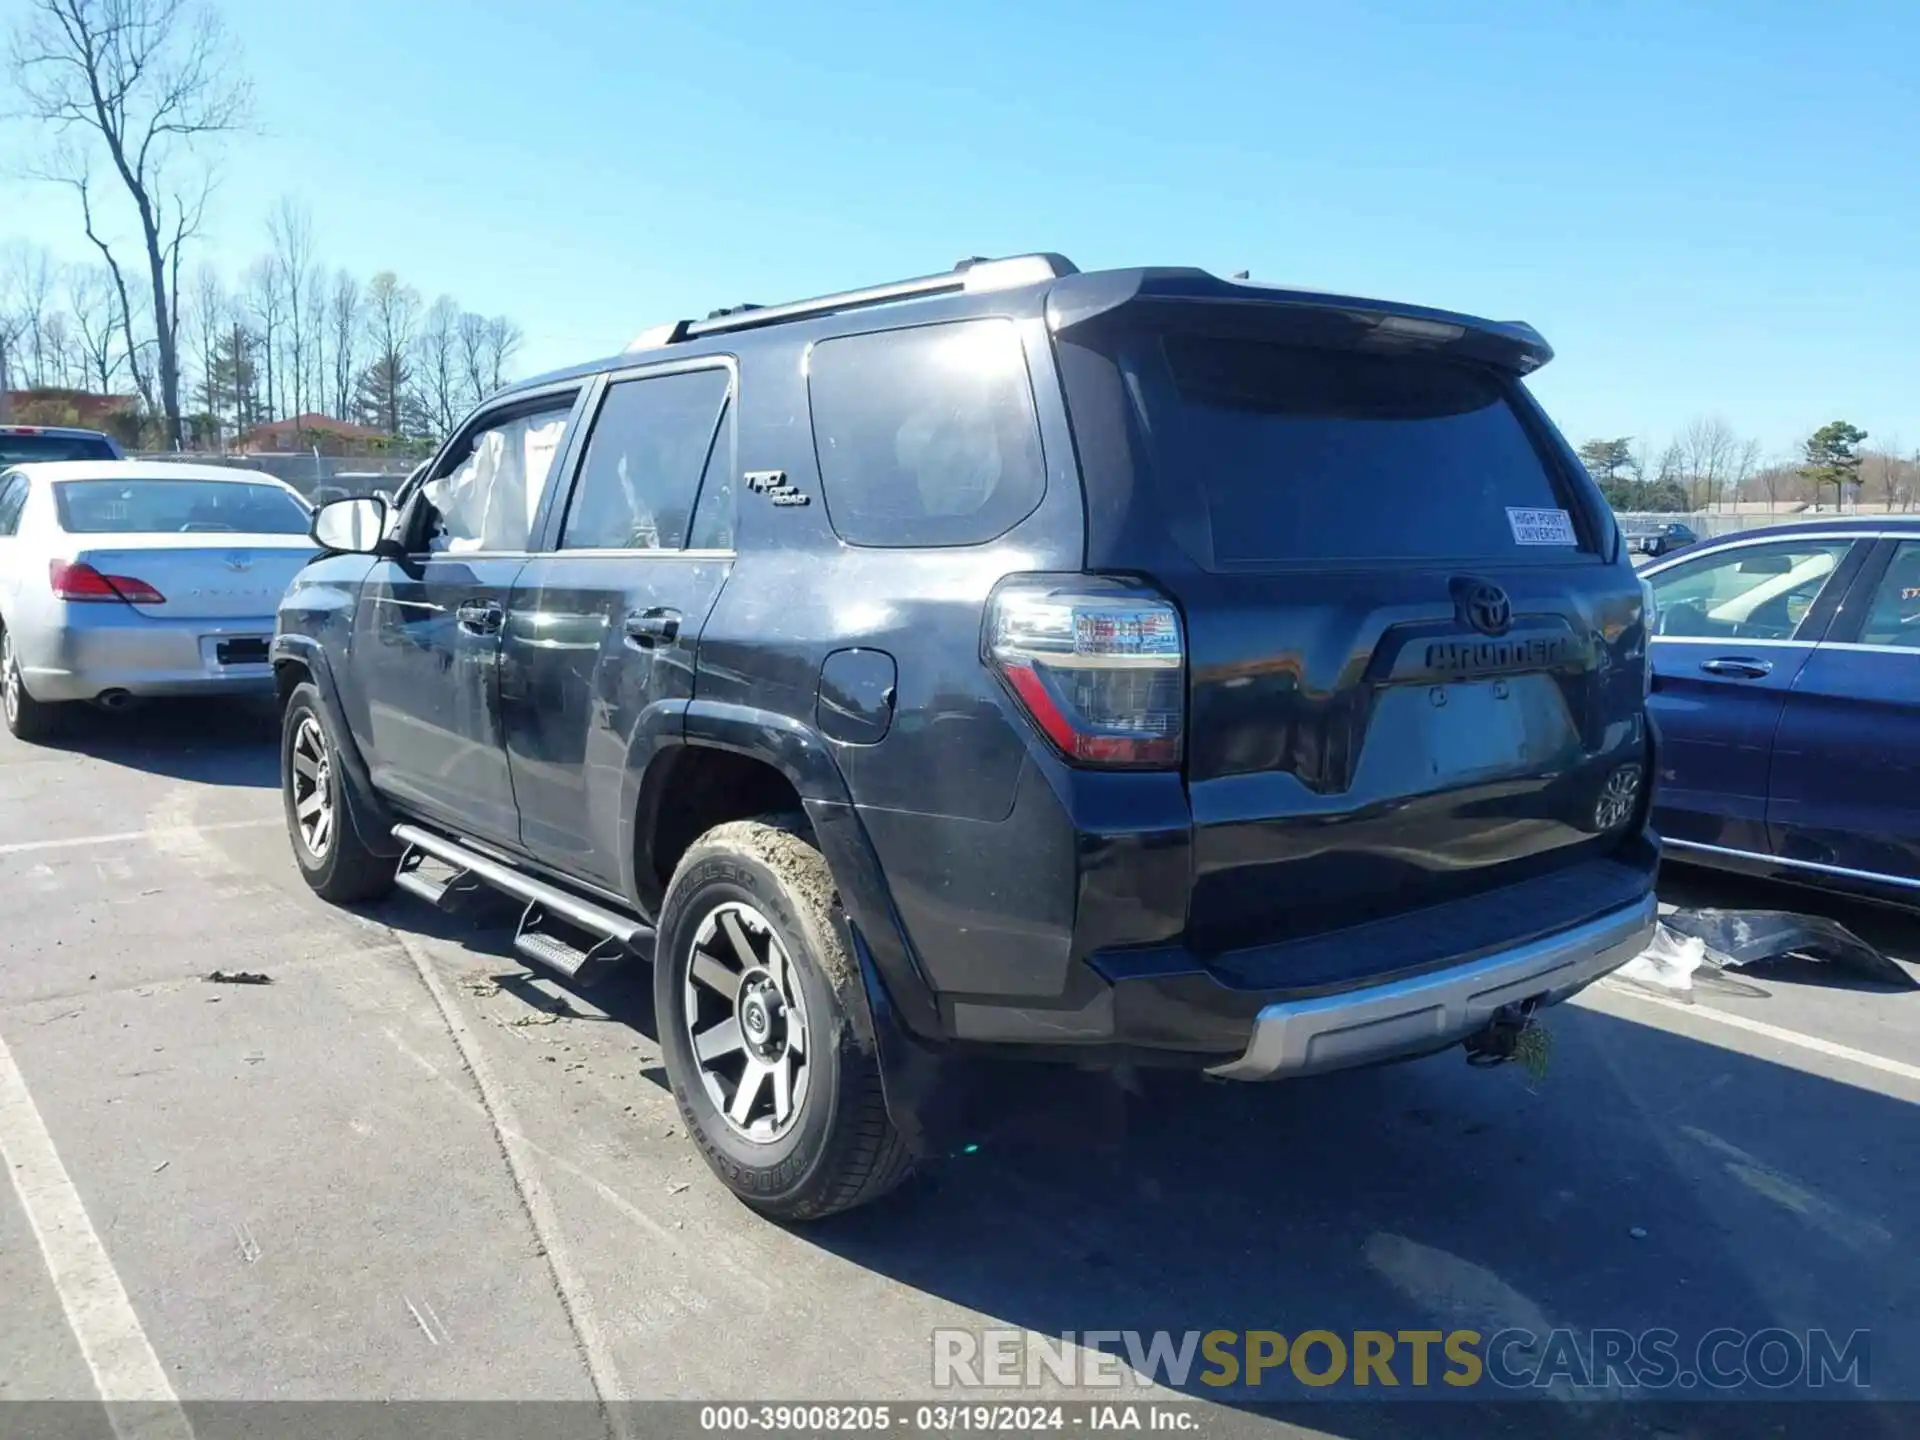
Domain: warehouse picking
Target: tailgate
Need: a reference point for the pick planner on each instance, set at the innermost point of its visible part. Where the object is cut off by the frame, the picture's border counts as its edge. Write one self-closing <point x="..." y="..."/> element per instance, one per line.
<point x="1413" y="677"/>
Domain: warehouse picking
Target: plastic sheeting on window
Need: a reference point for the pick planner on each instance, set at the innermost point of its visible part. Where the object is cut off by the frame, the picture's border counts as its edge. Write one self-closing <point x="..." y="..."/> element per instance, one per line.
<point x="489" y="501"/>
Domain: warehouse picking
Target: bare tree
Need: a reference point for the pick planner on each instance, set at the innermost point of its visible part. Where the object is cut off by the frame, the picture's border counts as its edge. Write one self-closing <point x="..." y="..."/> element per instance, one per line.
<point x="58" y="353"/>
<point x="437" y="366"/>
<point x="95" y="306"/>
<point x="503" y="343"/>
<point x="210" y="321"/>
<point x="291" y="230"/>
<point x="471" y="334"/>
<point x="264" y="304"/>
<point x="343" y="328"/>
<point x="1742" y="465"/>
<point x="1884" y="470"/>
<point x="1707" y="450"/>
<point x="392" y="318"/>
<point x="149" y="83"/>
<point x="30" y="280"/>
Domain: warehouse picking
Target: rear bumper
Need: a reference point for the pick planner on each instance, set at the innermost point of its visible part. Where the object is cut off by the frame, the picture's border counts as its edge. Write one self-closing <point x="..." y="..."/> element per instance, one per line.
<point x="1429" y="1012"/>
<point x="91" y="655"/>
<point x="1403" y="984"/>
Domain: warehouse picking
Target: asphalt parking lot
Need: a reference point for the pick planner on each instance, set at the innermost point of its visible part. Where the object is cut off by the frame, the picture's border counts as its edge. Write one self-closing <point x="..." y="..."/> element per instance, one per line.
<point x="409" y="1168"/>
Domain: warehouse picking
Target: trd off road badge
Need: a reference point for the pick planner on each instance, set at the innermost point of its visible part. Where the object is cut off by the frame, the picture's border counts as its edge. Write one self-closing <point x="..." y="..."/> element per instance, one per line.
<point x="776" y="487"/>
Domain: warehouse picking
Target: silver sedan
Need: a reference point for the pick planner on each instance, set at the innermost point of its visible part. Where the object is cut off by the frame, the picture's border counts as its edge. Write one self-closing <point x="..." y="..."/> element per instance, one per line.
<point x="126" y="578"/>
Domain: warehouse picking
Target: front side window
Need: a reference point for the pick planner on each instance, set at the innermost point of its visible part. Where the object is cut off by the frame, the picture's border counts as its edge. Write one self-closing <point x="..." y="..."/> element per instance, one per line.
<point x="487" y="497"/>
<point x="184" y="507"/>
<point x="926" y="436"/>
<point x="1894" y="617"/>
<point x="641" y="474"/>
<point x="1752" y="592"/>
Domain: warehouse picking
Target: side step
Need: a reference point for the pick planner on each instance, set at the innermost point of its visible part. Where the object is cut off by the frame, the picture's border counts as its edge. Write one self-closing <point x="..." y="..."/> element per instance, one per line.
<point x="443" y="894"/>
<point x="614" y="936"/>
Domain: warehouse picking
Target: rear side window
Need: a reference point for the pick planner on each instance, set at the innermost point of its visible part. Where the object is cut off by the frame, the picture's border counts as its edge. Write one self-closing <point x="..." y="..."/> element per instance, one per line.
<point x="645" y="456"/>
<point x="184" y="507"/>
<point x="926" y="436"/>
<point x="1305" y="454"/>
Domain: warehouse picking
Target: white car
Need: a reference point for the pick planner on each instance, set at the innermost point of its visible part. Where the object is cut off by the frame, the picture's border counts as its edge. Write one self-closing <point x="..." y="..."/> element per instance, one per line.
<point x="121" y="579"/>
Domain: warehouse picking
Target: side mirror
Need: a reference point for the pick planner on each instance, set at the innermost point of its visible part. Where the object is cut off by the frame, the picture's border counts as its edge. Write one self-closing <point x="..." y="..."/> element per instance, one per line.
<point x="351" y="527"/>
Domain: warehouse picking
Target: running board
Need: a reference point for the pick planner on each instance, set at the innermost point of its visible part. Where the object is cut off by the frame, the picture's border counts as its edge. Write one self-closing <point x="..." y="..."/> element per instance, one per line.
<point x="615" y="936"/>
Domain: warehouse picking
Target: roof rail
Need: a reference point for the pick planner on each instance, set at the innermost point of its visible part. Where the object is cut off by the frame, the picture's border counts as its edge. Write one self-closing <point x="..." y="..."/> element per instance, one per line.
<point x="972" y="275"/>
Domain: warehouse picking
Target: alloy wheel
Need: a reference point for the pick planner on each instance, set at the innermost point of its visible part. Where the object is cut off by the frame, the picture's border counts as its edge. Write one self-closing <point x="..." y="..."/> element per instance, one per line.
<point x="9" y="679"/>
<point x="746" y="1020"/>
<point x="312" y="781"/>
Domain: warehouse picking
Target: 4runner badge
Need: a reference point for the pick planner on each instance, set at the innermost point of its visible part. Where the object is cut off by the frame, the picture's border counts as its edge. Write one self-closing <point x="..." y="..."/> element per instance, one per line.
<point x="776" y="487"/>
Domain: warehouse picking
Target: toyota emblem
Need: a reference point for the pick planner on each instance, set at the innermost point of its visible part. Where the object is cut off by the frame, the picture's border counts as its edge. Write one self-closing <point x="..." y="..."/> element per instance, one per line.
<point x="1488" y="609"/>
<point x="239" y="560"/>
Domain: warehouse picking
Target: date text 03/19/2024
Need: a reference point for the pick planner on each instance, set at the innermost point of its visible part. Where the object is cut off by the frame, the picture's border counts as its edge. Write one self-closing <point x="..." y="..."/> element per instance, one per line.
<point x="945" y="1418"/>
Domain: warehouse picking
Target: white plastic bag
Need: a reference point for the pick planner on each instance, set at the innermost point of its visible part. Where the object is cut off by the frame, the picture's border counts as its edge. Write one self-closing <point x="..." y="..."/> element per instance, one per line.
<point x="1667" y="964"/>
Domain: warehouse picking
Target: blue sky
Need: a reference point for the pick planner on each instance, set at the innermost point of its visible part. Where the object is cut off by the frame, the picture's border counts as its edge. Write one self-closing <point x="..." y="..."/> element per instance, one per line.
<point x="1709" y="208"/>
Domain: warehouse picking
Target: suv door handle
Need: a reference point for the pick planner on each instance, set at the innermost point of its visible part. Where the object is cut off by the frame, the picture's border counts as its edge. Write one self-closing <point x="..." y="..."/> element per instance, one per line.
<point x="647" y="628"/>
<point x="1738" y="667"/>
<point x="482" y="617"/>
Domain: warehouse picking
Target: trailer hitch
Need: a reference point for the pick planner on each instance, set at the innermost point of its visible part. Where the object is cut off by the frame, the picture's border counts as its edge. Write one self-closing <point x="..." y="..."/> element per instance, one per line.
<point x="1500" y="1041"/>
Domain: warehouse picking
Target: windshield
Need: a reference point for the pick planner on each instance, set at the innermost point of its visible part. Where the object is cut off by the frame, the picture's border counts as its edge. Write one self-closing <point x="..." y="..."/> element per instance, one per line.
<point x="18" y="449"/>
<point x="157" y="507"/>
<point x="1340" y="455"/>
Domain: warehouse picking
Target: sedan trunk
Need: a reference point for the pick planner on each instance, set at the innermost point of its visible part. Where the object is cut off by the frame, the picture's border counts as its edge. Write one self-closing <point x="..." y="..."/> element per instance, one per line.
<point x="201" y="577"/>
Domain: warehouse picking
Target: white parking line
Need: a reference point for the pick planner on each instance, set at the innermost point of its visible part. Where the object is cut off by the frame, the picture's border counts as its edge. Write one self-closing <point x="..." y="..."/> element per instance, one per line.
<point x="140" y="1399"/>
<point x="121" y="837"/>
<point x="1775" y="1032"/>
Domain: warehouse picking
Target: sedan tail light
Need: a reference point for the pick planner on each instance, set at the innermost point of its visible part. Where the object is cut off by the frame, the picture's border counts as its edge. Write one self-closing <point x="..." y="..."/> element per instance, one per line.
<point x="73" y="580"/>
<point x="1099" y="665"/>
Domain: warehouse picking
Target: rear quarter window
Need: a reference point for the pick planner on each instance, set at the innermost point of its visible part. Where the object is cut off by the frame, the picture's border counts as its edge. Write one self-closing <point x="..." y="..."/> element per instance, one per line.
<point x="926" y="436"/>
<point x="1314" y="454"/>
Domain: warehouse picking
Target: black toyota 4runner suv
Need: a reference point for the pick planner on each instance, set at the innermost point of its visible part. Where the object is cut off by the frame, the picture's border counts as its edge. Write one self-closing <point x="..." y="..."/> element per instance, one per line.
<point x="1123" y="667"/>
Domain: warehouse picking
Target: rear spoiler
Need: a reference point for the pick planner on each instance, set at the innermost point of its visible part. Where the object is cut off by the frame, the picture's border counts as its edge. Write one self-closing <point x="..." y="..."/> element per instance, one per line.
<point x="1341" y="320"/>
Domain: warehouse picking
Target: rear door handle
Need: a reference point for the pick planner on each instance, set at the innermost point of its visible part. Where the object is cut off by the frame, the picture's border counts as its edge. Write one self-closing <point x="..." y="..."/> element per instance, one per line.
<point x="1738" y="667"/>
<point x="482" y="617"/>
<point x="648" y="628"/>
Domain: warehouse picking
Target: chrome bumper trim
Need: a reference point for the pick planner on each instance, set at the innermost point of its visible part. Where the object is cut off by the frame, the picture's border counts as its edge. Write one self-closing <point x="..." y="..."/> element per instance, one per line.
<point x="1429" y="1012"/>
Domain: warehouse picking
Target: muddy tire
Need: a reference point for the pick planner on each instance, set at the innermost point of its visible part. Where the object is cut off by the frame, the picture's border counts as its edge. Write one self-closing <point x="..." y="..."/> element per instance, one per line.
<point x="333" y="860"/>
<point x="755" y="989"/>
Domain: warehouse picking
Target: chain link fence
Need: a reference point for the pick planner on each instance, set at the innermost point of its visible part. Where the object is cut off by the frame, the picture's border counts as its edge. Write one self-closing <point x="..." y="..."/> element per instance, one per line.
<point x="318" y="477"/>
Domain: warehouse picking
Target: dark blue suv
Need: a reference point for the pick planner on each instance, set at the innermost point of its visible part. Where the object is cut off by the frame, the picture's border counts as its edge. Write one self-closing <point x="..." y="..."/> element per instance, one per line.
<point x="1118" y="668"/>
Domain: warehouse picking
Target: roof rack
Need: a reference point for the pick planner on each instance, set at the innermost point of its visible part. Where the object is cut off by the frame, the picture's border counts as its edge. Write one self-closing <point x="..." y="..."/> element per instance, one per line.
<point x="972" y="275"/>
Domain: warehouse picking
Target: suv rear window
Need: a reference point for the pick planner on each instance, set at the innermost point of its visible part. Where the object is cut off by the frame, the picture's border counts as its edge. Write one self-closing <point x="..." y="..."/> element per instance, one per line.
<point x="1341" y="455"/>
<point x="926" y="436"/>
<point x="165" y="507"/>
<point x="18" y="449"/>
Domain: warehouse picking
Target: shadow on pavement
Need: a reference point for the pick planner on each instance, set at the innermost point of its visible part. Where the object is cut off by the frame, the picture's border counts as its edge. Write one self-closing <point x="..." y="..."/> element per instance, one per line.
<point x="1650" y="1181"/>
<point x="230" y="741"/>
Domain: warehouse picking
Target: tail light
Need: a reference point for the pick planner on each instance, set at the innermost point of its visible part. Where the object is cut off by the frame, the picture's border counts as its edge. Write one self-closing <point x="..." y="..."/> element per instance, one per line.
<point x="80" y="581"/>
<point x="1098" y="664"/>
